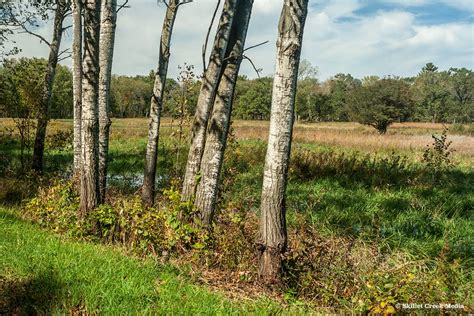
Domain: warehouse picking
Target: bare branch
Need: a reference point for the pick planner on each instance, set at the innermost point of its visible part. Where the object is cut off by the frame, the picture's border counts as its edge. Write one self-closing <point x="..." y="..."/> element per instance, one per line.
<point x="67" y="27"/>
<point x="25" y="30"/>
<point x="253" y="65"/>
<point x="260" y="44"/>
<point x="65" y="57"/>
<point x="204" y="47"/>
<point x="123" y="5"/>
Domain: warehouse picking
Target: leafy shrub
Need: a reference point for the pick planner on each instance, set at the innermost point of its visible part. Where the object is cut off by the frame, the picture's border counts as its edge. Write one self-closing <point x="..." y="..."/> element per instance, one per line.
<point x="437" y="156"/>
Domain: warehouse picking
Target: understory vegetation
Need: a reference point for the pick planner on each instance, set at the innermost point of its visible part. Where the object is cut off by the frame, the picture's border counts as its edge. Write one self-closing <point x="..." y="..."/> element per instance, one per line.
<point x="367" y="229"/>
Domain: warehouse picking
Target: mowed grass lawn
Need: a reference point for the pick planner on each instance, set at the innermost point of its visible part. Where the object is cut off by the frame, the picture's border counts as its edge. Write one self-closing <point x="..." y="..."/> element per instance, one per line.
<point x="41" y="273"/>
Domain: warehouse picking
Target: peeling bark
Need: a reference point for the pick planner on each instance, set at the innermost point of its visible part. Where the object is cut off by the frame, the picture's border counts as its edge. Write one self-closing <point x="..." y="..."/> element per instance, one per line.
<point x="217" y="132"/>
<point x="90" y="120"/>
<point x="76" y="83"/>
<point x="106" y="52"/>
<point x="206" y="98"/>
<point x="156" y="104"/>
<point x="38" y="152"/>
<point x="273" y="235"/>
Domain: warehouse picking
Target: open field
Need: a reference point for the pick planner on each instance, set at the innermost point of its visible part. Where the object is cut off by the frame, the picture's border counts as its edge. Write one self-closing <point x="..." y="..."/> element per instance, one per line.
<point x="406" y="137"/>
<point x="369" y="222"/>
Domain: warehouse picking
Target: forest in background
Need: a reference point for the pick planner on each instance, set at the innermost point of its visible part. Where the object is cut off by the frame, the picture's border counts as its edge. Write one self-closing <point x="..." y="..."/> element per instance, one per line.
<point x="441" y="96"/>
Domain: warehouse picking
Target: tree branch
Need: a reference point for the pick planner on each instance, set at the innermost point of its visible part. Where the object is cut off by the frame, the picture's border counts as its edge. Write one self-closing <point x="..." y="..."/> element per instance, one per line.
<point x="123" y="5"/>
<point x="260" y="44"/>
<point x="204" y="46"/>
<point x="25" y="30"/>
<point x="253" y="65"/>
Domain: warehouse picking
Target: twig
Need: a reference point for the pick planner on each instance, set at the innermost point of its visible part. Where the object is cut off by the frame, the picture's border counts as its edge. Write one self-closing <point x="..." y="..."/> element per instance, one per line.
<point x="124" y="5"/>
<point x="25" y="30"/>
<point x="253" y="65"/>
<point x="204" y="47"/>
<point x="65" y="57"/>
<point x="260" y="44"/>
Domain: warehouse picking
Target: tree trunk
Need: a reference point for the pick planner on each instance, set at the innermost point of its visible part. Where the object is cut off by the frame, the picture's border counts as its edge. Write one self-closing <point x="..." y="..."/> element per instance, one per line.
<point x="156" y="104"/>
<point x="273" y="235"/>
<point x="217" y="132"/>
<point x="90" y="122"/>
<point x="206" y="98"/>
<point x="76" y="83"/>
<point x="38" y="152"/>
<point x="106" y="52"/>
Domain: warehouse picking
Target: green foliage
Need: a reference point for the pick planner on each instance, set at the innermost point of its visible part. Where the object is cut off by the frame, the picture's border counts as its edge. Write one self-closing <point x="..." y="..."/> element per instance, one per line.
<point x="253" y="99"/>
<point x="22" y="88"/>
<point x="381" y="103"/>
<point x="437" y="156"/>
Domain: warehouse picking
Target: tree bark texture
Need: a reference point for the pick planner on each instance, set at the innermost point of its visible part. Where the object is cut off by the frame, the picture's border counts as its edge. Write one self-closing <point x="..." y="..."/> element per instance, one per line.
<point x="156" y="104"/>
<point x="77" y="83"/>
<point x="90" y="121"/>
<point x="216" y="136"/>
<point x="206" y="98"/>
<point x="38" y="152"/>
<point x="273" y="235"/>
<point x="106" y="52"/>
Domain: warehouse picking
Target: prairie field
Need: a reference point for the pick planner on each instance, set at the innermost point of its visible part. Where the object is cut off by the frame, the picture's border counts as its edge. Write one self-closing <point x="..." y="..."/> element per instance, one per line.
<point x="371" y="223"/>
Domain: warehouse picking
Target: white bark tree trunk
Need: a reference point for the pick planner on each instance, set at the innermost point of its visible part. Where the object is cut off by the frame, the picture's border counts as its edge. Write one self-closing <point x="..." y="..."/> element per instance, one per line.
<point x="90" y="119"/>
<point x="77" y="83"/>
<point x="156" y="104"/>
<point x="38" y="152"/>
<point x="106" y="52"/>
<point x="206" y="98"/>
<point x="273" y="235"/>
<point x="217" y="132"/>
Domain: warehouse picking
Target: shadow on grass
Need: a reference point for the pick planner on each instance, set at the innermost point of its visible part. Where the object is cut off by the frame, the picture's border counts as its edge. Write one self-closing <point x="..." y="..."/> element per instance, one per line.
<point x="29" y="296"/>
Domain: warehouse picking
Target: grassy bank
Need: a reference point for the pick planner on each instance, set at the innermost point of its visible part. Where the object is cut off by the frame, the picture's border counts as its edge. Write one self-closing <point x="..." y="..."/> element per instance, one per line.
<point x="41" y="273"/>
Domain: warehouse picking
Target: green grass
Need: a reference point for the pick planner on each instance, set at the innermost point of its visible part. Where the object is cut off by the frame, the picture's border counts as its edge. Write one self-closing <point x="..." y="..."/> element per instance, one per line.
<point x="44" y="273"/>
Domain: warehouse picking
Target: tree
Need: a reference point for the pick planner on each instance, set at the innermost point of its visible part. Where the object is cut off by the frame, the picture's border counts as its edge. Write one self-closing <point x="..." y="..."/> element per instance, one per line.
<point x="77" y="83"/>
<point x="381" y="103"/>
<point x="205" y="102"/>
<point x="219" y="121"/>
<point x="148" y="188"/>
<point x="89" y="192"/>
<point x="21" y="92"/>
<point x="461" y="87"/>
<point x="430" y="93"/>
<point x="106" y="51"/>
<point x="42" y="118"/>
<point x="340" y="87"/>
<point x="273" y="236"/>
<point x="254" y="99"/>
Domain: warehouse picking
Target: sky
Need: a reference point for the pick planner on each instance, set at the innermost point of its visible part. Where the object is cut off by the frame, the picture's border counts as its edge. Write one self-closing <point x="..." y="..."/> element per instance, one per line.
<point x="360" y="37"/>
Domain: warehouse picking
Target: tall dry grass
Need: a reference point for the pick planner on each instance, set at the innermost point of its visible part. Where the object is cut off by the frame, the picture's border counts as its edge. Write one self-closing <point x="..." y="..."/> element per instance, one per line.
<point x="409" y="137"/>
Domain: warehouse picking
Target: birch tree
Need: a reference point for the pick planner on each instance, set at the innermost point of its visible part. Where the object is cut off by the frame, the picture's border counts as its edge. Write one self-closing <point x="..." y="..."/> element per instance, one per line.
<point x="90" y="122"/>
<point x="273" y="235"/>
<point x="106" y="51"/>
<point x="219" y="121"/>
<point x="76" y="82"/>
<point x="42" y="123"/>
<point x="206" y="98"/>
<point x="156" y="103"/>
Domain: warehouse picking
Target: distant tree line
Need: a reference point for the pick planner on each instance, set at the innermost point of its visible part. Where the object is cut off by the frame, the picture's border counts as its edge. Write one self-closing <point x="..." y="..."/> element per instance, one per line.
<point x="431" y="96"/>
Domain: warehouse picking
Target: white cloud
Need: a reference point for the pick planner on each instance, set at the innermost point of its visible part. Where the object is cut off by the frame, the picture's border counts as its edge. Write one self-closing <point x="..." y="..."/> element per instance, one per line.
<point x="337" y="38"/>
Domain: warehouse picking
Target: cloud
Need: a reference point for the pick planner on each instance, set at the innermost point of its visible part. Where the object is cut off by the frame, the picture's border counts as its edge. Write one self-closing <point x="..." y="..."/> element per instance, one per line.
<point x="340" y="36"/>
